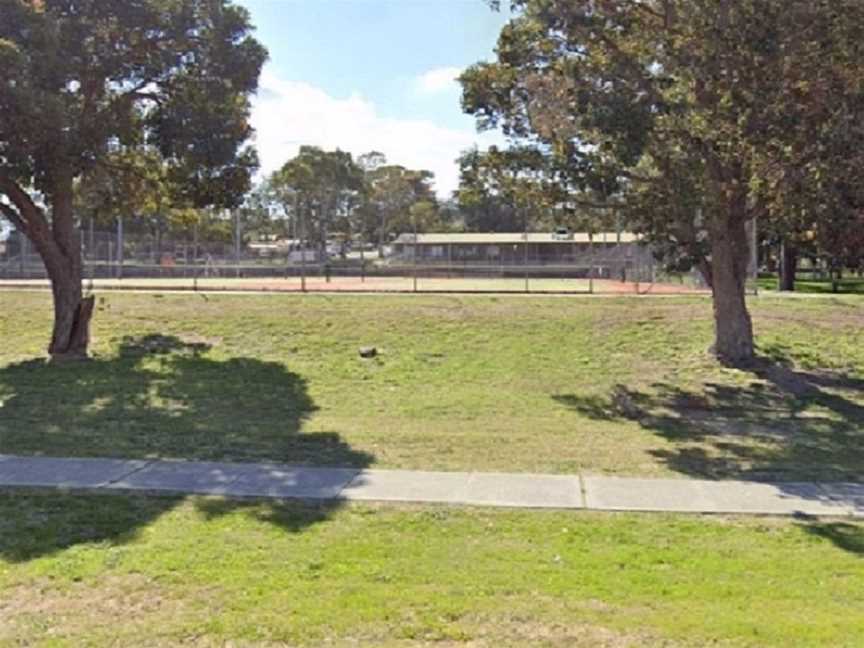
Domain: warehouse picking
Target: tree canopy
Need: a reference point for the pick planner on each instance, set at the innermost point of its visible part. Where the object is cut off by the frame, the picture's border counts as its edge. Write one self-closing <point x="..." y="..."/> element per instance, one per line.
<point x="694" y="117"/>
<point x="321" y="189"/>
<point x="367" y="198"/>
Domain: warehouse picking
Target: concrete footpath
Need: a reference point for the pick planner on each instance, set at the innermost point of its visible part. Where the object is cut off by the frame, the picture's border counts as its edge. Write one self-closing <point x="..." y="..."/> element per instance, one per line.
<point x="518" y="490"/>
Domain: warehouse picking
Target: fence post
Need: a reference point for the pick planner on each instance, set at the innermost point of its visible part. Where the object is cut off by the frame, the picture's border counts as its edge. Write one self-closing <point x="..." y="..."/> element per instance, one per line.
<point x="237" y="237"/>
<point x="302" y="262"/>
<point x="22" y="243"/>
<point x="414" y="247"/>
<point x="120" y="247"/>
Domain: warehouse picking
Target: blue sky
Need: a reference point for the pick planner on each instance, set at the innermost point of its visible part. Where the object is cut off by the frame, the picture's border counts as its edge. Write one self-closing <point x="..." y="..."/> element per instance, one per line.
<point x="371" y="74"/>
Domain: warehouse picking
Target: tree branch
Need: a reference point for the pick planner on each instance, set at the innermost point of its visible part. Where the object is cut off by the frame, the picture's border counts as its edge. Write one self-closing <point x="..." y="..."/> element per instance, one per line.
<point x="588" y="204"/>
<point x="13" y="217"/>
<point x="29" y="214"/>
<point x="637" y="178"/>
<point x="148" y="96"/>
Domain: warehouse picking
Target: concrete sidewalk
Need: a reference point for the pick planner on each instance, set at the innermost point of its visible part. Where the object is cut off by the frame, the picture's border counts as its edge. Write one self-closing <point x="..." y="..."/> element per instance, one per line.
<point x="519" y="490"/>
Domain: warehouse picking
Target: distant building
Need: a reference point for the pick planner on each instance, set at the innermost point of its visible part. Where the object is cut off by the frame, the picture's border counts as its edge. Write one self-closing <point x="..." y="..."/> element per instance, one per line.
<point x="516" y="248"/>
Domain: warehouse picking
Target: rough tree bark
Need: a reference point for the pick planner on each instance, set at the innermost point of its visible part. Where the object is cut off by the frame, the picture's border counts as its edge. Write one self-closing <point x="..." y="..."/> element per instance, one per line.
<point x="704" y="267"/>
<point x="58" y="243"/>
<point x="788" y="266"/>
<point x="733" y="326"/>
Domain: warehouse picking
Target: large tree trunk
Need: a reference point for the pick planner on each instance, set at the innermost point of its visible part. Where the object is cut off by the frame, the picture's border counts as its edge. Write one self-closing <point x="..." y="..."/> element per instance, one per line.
<point x="58" y="243"/>
<point x="836" y="277"/>
<point x="704" y="267"/>
<point x="60" y="248"/>
<point x="788" y="266"/>
<point x="733" y="327"/>
<point x="72" y="313"/>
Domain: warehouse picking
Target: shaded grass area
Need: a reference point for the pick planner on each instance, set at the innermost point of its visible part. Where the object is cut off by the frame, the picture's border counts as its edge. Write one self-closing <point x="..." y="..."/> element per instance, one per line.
<point x="604" y="385"/>
<point x="129" y="570"/>
<point x="847" y="285"/>
<point x="163" y="396"/>
<point x="783" y="424"/>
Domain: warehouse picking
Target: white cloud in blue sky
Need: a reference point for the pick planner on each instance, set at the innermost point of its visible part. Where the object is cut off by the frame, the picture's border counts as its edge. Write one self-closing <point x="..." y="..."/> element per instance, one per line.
<point x="288" y="114"/>
<point x="439" y="80"/>
<point x="371" y="75"/>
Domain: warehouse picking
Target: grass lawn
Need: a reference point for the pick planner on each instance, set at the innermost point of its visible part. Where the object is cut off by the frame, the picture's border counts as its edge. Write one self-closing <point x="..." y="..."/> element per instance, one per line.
<point x="116" y="570"/>
<point x="848" y="285"/>
<point x="535" y="384"/>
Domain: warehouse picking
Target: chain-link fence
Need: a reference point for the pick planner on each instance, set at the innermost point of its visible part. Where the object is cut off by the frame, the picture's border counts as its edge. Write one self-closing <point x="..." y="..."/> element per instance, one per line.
<point x="158" y="261"/>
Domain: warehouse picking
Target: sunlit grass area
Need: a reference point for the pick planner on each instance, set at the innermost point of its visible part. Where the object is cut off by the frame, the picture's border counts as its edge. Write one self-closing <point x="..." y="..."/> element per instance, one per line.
<point x="130" y="571"/>
<point x="535" y="384"/>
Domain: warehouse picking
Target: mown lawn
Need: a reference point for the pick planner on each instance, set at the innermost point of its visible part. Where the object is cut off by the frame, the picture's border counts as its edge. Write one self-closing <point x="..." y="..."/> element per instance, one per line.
<point x="847" y="285"/>
<point x="539" y="384"/>
<point x="116" y="570"/>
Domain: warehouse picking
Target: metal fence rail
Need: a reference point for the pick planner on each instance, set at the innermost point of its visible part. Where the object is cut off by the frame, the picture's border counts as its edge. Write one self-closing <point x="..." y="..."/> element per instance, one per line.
<point x="113" y="259"/>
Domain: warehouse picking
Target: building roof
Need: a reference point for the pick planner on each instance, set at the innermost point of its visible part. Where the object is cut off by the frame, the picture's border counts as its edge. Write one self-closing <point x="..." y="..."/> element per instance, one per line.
<point x="515" y="238"/>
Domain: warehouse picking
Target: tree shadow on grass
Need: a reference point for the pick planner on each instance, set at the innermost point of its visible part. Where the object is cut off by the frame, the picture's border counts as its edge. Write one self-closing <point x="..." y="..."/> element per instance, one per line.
<point x="163" y="397"/>
<point x="781" y="424"/>
<point x="846" y="536"/>
<point x="158" y="397"/>
<point x="35" y="525"/>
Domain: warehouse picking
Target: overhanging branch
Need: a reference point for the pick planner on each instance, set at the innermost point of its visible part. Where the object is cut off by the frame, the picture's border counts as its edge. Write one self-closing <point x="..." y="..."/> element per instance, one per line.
<point x="28" y="213"/>
<point x="12" y="215"/>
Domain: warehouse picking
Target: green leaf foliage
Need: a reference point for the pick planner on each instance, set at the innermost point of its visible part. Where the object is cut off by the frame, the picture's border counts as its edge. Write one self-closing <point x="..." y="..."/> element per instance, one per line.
<point x="85" y="78"/>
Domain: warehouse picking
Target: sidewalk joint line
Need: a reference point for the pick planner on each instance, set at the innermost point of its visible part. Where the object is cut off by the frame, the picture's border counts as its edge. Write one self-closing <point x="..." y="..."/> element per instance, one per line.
<point x="819" y="499"/>
<point x="147" y="464"/>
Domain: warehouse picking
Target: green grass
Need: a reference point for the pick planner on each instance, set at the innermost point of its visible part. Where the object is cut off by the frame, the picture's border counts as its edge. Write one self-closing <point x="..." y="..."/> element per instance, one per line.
<point x="848" y="285"/>
<point x="113" y="570"/>
<point x="603" y="385"/>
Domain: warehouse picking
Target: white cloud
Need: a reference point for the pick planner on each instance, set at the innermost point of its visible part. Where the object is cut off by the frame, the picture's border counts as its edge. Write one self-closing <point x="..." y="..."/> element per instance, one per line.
<point x="438" y="80"/>
<point x="288" y="114"/>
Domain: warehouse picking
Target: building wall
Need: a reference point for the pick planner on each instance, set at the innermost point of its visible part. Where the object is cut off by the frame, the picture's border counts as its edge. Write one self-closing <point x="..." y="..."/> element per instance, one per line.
<point x="515" y="254"/>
